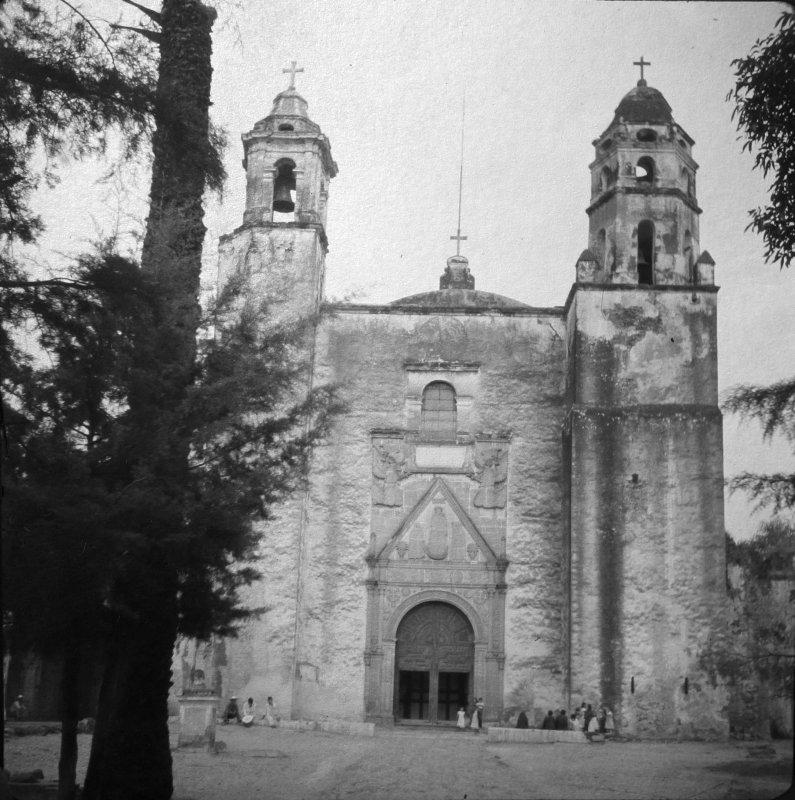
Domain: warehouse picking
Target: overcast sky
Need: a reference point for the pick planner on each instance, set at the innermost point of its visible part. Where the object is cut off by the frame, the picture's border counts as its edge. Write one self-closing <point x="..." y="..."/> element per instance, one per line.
<point x="385" y="81"/>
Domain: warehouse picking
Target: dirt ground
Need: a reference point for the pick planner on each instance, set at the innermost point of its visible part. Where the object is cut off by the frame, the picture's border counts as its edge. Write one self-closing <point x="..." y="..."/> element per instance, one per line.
<point x="279" y="764"/>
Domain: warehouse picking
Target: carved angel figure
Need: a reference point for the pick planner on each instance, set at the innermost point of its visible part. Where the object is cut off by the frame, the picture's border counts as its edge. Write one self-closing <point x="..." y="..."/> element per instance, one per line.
<point x="388" y="469"/>
<point x="492" y="474"/>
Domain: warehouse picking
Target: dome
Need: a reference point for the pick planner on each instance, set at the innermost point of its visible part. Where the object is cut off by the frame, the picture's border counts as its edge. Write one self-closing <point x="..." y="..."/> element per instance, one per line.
<point x="289" y="114"/>
<point x="643" y="105"/>
<point x="459" y="298"/>
<point x="289" y="103"/>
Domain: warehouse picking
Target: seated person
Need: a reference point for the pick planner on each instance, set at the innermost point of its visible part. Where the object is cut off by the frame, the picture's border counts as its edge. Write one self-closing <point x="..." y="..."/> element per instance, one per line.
<point x="232" y="711"/>
<point x="249" y="710"/>
<point x="521" y="721"/>
<point x="18" y="708"/>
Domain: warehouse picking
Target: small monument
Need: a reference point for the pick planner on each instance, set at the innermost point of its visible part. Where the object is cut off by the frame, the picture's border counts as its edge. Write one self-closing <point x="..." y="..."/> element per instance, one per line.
<point x="198" y="709"/>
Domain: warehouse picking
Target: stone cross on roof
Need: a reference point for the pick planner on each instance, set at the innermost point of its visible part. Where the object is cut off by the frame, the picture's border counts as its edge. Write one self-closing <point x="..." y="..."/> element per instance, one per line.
<point x="292" y="69"/>
<point x="640" y="64"/>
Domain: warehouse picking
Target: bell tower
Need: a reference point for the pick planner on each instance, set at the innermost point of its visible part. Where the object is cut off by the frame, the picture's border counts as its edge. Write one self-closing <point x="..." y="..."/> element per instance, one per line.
<point x="643" y="439"/>
<point x="280" y="248"/>
<point x="643" y="216"/>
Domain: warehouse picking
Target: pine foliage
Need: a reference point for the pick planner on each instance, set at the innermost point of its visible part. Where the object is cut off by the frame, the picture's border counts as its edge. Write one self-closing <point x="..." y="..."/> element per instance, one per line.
<point x="765" y="113"/>
<point x="774" y="408"/>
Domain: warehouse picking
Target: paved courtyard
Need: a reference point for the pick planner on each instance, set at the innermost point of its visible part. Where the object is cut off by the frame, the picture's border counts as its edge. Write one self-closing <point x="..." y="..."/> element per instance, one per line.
<point x="404" y="763"/>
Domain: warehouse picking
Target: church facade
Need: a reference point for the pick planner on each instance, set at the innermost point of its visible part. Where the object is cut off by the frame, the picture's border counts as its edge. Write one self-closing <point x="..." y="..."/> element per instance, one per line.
<point x="521" y="504"/>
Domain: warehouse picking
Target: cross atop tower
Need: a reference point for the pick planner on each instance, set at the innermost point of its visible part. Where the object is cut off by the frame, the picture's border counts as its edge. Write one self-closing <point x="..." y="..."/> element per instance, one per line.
<point x="292" y="69"/>
<point x="458" y="239"/>
<point x="640" y="64"/>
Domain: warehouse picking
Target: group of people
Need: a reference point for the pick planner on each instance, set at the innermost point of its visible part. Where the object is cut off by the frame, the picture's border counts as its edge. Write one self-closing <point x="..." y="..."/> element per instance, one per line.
<point x="247" y="715"/>
<point x="584" y="719"/>
<point x="473" y="717"/>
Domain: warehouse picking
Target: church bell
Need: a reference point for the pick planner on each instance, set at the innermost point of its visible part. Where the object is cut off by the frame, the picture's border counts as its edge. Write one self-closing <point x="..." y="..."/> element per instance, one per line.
<point x="282" y="198"/>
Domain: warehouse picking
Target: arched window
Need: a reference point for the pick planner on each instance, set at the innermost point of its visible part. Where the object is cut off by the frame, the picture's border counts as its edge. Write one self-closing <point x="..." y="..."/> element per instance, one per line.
<point x="687" y="251"/>
<point x="438" y="420"/>
<point x="646" y="252"/>
<point x="644" y="170"/>
<point x="601" y="248"/>
<point x="284" y="191"/>
<point x="604" y="179"/>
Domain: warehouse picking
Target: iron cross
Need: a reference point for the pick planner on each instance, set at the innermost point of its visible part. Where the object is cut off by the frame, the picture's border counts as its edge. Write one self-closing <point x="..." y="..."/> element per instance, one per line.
<point x="292" y="69"/>
<point x="458" y="239"/>
<point x="640" y="64"/>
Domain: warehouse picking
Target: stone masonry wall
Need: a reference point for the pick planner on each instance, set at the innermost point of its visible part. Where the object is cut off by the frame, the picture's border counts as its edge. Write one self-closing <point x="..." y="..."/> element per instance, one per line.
<point x="520" y="385"/>
<point x="647" y="535"/>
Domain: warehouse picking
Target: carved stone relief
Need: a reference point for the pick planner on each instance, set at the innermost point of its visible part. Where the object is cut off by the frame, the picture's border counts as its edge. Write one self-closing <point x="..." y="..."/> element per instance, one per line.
<point x="491" y="473"/>
<point x="388" y="468"/>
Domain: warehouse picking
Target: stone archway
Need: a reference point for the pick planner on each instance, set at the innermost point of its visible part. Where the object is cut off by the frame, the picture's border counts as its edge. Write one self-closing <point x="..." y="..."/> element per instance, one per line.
<point x="434" y="663"/>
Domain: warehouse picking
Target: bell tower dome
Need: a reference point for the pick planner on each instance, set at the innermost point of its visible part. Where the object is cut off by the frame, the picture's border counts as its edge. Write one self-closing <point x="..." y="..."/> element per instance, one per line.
<point x="643" y="215"/>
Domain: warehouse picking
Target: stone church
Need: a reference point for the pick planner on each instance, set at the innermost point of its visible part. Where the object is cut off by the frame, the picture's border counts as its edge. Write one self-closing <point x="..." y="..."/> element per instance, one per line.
<point x="521" y="504"/>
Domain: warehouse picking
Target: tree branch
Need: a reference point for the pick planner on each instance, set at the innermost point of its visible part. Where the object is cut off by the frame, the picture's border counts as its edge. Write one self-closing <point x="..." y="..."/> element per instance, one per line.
<point x="155" y="16"/>
<point x="91" y="25"/>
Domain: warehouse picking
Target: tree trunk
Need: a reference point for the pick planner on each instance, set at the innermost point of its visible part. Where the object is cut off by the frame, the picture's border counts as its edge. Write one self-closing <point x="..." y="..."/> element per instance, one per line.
<point x="70" y="699"/>
<point x="130" y="756"/>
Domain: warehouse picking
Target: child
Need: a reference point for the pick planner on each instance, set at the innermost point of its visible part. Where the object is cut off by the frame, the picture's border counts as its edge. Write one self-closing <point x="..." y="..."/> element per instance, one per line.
<point x="462" y="718"/>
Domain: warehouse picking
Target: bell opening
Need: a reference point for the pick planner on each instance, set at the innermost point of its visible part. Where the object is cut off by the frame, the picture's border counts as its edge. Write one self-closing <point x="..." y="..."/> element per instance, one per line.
<point x="284" y="189"/>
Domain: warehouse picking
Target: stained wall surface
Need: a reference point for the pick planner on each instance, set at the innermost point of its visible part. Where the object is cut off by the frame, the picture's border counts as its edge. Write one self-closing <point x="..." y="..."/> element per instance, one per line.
<point x="647" y="534"/>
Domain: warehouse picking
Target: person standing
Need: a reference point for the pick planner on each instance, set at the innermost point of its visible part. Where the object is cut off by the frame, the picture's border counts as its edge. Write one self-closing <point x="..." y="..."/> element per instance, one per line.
<point x="479" y="707"/>
<point x="610" y="725"/>
<point x="462" y="718"/>
<point x="586" y="720"/>
<point x="593" y="726"/>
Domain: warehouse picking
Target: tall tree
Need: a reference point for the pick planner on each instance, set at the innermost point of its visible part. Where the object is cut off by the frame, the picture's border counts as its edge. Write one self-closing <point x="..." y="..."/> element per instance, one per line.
<point x="63" y="89"/>
<point x="61" y="538"/>
<point x="131" y="757"/>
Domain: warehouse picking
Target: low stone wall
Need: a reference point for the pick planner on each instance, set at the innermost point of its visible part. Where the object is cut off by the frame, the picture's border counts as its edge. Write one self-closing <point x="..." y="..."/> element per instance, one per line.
<point x="535" y="735"/>
<point x="330" y="726"/>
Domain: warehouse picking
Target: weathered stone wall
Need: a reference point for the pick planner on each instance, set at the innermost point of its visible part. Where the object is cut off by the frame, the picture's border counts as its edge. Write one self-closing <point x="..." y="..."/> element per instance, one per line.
<point x="519" y="388"/>
<point x="283" y="264"/>
<point x="647" y="538"/>
<point x="619" y="217"/>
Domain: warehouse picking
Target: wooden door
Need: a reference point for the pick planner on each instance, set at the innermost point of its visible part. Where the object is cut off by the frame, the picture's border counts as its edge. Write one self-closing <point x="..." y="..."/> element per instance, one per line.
<point x="433" y="663"/>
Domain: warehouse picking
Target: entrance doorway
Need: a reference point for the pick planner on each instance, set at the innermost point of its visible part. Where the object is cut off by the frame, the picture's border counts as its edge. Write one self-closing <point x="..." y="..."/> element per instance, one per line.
<point x="434" y="663"/>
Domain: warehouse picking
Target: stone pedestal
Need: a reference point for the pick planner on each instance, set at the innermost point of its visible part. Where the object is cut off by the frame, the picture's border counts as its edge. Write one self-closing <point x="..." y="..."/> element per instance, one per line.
<point x="197" y="714"/>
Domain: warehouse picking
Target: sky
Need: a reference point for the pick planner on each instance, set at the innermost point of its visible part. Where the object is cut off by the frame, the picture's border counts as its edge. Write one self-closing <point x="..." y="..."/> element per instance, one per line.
<point x="531" y="84"/>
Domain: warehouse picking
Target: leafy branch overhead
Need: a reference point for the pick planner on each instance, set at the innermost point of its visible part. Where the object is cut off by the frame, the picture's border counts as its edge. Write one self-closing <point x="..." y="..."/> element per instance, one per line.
<point x="764" y="110"/>
<point x="64" y="88"/>
<point x="774" y="408"/>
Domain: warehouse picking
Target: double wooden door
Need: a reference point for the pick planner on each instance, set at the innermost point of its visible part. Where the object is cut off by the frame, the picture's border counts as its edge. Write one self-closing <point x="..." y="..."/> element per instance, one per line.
<point x="433" y="660"/>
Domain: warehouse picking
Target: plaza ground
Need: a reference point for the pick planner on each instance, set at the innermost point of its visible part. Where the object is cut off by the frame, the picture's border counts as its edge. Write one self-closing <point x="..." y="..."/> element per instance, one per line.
<point x="432" y="764"/>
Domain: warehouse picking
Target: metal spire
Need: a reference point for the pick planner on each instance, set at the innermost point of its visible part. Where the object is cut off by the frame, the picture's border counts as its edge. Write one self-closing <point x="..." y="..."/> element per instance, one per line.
<point x="458" y="237"/>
